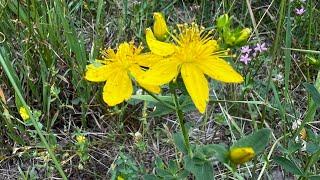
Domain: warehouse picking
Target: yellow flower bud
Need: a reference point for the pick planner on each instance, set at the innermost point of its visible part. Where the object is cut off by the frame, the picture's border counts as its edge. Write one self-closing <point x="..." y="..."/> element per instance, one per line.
<point x="244" y="35"/>
<point x="240" y="155"/>
<point x="230" y="40"/>
<point x="81" y="139"/>
<point x="160" y="28"/>
<point x="23" y="113"/>
<point x="120" y="178"/>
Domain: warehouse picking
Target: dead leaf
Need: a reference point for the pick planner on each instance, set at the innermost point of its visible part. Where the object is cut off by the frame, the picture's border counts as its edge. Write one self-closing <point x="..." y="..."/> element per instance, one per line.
<point x="2" y="97"/>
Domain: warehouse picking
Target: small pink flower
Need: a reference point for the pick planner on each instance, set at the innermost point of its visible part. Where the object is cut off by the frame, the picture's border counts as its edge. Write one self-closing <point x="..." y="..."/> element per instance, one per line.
<point x="245" y="58"/>
<point x="260" y="48"/>
<point x="245" y="49"/>
<point x="300" y="11"/>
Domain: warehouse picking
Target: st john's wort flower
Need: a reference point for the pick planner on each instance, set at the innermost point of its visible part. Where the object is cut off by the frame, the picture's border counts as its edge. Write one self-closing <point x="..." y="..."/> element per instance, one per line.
<point x="118" y="69"/>
<point x="193" y="54"/>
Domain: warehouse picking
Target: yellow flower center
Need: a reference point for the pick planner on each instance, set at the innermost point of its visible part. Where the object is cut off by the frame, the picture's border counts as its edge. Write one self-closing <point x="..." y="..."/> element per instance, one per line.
<point x="125" y="57"/>
<point x="193" y="43"/>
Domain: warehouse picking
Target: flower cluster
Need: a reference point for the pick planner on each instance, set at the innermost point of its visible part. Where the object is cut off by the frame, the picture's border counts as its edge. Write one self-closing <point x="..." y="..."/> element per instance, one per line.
<point x="191" y="52"/>
<point x="232" y="37"/>
<point x="247" y="52"/>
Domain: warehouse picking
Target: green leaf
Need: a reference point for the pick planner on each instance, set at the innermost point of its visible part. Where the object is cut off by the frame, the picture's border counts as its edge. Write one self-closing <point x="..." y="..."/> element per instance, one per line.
<point x="257" y="140"/>
<point x="161" y="110"/>
<point x="314" y="177"/>
<point x="313" y="92"/>
<point x="159" y="163"/>
<point x="173" y="167"/>
<point x="163" y="172"/>
<point x="312" y="147"/>
<point x="179" y="142"/>
<point x="151" y="99"/>
<point x="150" y="177"/>
<point x="288" y="165"/>
<point x="203" y="171"/>
<point x="183" y="174"/>
<point x="206" y="152"/>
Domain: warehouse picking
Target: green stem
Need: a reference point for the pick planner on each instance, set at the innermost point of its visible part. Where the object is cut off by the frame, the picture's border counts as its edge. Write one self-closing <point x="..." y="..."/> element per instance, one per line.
<point x="34" y="122"/>
<point x="314" y="158"/>
<point x="181" y="120"/>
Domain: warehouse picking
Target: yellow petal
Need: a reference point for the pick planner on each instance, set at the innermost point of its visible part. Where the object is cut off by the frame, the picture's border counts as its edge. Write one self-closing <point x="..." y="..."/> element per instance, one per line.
<point x="240" y="155"/>
<point x="118" y="88"/>
<point x="161" y="73"/>
<point x="196" y="84"/>
<point x="96" y="73"/>
<point x="220" y="70"/>
<point x="148" y="59"/>
<point x="151" y="88"/>
<point x="124" y="50"/>
<point x="137" y="73"/>
<point x="158" y="47"/>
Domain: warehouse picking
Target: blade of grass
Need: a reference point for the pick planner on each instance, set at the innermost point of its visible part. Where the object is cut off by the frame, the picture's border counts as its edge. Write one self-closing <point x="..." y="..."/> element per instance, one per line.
<point x="253" y="20"/>
<point x="75" y="45"/>
<point x="287" y="62"/>
<point x="275" y="52"/>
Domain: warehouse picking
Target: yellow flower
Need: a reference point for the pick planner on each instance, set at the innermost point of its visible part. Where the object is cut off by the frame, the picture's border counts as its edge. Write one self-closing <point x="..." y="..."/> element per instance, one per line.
<point x="120" y="178"/>
<point x="160" y="28"/>
<point x="241" y="155"/>
<point x="23" y="113"/>
<point x="194" y="54"/>
<point x="117" y="68"/>
<point x="81" y="139"/>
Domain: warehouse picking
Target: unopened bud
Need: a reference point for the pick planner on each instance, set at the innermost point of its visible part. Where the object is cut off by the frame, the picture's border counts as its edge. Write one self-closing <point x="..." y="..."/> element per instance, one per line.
<point x="240" y="155"/>
<point x="160" y="28"/>
<point x="244" y="35"/>
<point x="223" y="21"/>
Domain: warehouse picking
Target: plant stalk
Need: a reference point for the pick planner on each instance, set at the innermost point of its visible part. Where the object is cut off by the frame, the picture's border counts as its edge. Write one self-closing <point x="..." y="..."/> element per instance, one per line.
<point x="181" y="121"/>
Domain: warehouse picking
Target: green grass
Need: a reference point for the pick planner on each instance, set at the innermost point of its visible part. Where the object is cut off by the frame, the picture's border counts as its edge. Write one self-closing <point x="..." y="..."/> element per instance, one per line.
<point x="46" y="45"/>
